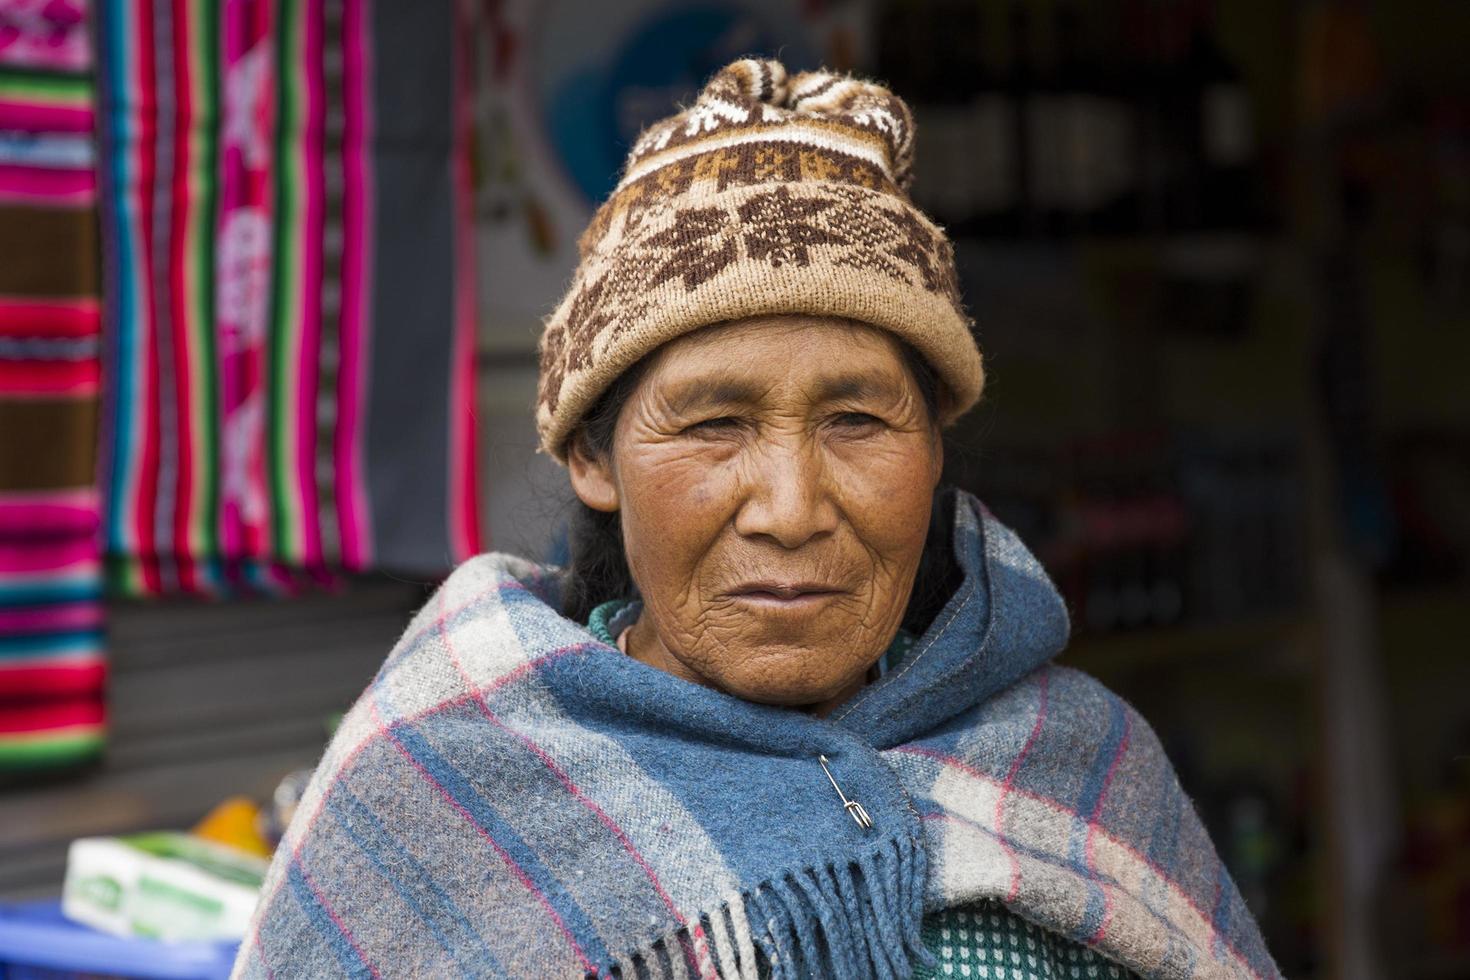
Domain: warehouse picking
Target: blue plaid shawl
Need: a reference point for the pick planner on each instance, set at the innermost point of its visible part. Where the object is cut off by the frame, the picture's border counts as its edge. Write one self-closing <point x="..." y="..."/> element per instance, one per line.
<point x="511" y="797"/>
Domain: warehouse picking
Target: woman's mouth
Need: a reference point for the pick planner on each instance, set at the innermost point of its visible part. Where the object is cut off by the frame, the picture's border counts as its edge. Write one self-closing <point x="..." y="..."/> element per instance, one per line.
<point x="784" y="595"/>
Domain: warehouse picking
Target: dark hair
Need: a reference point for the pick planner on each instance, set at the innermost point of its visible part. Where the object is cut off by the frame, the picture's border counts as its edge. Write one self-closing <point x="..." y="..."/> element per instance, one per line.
<point x="598" y="569"/>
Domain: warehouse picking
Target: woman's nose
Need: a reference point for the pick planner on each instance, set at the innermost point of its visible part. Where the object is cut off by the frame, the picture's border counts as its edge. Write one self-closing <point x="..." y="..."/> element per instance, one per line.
<point x="787" y="498"/>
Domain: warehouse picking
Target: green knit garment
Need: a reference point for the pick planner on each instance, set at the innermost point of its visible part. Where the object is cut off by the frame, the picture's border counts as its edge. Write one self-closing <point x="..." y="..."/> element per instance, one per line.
<point x="981" y="941"/>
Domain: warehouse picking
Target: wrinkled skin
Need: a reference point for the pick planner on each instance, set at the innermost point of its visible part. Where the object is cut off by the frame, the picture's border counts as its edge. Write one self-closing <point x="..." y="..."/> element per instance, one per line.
<point x="773" y="451"/>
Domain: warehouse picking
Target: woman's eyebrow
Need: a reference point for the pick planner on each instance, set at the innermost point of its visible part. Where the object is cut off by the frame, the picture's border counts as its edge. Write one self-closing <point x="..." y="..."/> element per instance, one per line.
<point x="852" y="386"/>
<point x="698" y="394"/>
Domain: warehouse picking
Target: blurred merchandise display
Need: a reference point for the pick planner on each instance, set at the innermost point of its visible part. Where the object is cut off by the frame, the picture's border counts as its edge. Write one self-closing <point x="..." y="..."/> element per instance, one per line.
<point x="1430" y="489"/>
<point x="236" y="822"/>
<point x="237" y="320"/>
<point x="1434" y="875"/>
<point x="1427" y="899"/>
<point x="53" y="672"/>
<point x="164" y="905"/>
<point x="1248" y="551"/>
<point x="289" y="293"/>
<point x="1141" y="530"/>
<point x="1445" y="246"/>
<point x="168" y="886"/>
<point x="1071" y="118"/>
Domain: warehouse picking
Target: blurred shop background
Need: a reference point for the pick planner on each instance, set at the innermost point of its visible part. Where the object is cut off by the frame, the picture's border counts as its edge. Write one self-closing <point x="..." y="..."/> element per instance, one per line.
<point x="1218" y="252"/>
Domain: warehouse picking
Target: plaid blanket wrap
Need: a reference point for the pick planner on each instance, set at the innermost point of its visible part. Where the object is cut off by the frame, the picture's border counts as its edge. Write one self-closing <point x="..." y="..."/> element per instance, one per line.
<point x="510" y="797"/>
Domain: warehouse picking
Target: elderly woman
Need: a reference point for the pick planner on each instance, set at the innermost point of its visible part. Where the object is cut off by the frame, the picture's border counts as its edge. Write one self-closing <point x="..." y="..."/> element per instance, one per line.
<point x="790" y="710"/>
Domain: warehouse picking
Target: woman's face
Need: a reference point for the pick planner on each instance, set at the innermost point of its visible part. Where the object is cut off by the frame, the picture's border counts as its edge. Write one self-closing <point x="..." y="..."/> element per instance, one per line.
<point x="774" y="479"/>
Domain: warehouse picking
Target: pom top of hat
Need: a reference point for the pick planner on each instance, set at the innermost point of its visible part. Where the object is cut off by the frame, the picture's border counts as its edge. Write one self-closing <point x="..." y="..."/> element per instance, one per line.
<point x="758" y="94"/>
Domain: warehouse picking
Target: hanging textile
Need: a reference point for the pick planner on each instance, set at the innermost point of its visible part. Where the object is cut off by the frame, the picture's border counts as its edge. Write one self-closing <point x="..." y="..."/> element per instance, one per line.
<point x="289" y="291"/>
<point x="51" y="664"/>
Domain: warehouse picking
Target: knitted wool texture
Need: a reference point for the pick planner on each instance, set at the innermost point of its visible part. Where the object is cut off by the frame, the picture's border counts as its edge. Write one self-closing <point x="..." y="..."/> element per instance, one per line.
<point x="512" y="797"/>
<point x="769" y="195"/>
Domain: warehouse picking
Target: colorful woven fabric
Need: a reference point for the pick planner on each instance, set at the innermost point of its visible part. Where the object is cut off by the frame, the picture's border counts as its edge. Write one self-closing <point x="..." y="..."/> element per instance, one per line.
<point x="512" y="797"/>
<point x="289" y="291"/>
<point x="51" y="656"/>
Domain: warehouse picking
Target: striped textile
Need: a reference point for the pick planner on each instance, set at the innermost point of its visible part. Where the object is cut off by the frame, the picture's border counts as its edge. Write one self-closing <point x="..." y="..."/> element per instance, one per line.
<point x="978" y="935"/>
<point x="512" y="797"/>
<point x="288" y="290"/>
<point x="51" y="652"/>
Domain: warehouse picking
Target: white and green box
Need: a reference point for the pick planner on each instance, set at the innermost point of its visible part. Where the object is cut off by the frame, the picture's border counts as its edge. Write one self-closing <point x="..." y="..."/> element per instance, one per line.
<point x="162" y="885"/>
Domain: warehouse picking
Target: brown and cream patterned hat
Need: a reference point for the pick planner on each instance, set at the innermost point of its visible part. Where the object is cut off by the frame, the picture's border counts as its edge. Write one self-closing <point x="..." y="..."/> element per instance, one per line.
<point x="769" y="195"/>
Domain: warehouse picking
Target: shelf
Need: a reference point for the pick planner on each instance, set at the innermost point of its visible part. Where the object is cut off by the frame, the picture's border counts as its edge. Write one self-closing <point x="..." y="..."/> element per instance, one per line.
<point x="1117" y="653"/>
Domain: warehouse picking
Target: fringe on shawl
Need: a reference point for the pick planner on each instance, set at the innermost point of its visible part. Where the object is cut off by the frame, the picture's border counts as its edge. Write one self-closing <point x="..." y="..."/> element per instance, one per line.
<point x="855" y="919"/>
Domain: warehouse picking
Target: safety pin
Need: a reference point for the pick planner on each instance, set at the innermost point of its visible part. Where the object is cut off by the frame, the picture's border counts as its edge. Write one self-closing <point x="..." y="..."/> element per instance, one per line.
<point x="851" y="806"/>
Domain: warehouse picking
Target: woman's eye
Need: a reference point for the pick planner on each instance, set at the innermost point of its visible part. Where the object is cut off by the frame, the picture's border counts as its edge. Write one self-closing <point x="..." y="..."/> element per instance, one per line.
<point x="856" y="420"/>
<point x="720" y="424"/>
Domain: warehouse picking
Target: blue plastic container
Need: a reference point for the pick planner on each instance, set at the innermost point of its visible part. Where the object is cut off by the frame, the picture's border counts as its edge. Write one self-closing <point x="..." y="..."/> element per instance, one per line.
<point x="37" y="942"/>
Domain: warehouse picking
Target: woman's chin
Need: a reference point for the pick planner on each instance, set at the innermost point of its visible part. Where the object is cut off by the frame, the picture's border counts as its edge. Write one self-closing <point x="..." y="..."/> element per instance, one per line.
<point x="786" y="679"/>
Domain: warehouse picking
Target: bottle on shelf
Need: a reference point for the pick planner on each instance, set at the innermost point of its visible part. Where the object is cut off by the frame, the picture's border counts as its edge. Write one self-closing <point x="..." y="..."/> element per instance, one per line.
<point x="1225" y="133"/>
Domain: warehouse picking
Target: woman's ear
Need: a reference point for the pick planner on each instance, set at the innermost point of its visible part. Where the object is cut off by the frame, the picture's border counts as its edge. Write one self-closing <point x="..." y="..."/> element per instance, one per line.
<point x="592" y="476"/>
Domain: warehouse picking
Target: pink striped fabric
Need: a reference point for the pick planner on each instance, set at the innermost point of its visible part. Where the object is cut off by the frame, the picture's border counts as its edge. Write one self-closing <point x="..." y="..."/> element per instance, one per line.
<point x="290" y="283"/>
<point x="19" y="115"/>
<point x="41" y="185"/>
<point x="45" y="34"/>
<point x="26" y="317"/>
<point x="52" y="671"/>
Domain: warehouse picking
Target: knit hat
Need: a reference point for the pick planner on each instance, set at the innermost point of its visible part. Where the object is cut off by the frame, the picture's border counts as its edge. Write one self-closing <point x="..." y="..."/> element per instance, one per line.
<point x="769" y="195"/>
